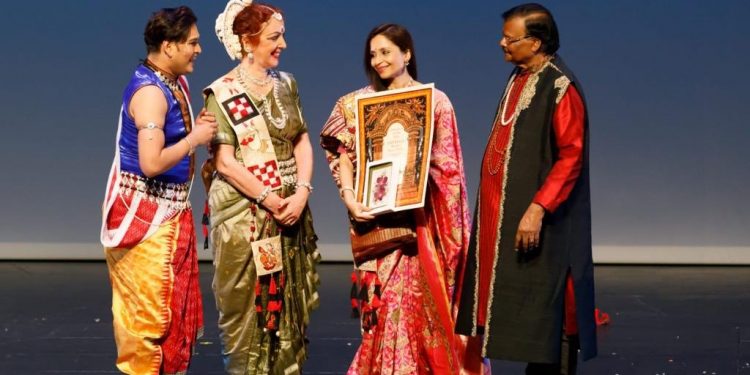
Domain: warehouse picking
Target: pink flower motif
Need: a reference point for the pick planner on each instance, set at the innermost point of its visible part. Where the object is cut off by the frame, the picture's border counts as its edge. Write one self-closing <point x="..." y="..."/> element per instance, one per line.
<point x="381" y="188"/>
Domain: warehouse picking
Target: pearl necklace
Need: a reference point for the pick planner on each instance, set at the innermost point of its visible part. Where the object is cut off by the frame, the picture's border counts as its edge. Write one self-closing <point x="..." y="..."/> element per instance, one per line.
<point x="503" y="121"/>
<point x="534" y="70"/>
<point x="261" y="82"/>
<point x="278" y="123"/>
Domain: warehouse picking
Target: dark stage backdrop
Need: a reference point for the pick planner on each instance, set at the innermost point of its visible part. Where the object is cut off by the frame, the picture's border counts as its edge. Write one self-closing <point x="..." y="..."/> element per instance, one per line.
<point x="665" y="82"/>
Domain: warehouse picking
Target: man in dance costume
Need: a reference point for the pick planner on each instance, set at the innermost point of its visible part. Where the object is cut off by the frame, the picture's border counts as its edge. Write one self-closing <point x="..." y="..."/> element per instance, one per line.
<point x="529" y="282"/>
<point x="147" y="227"/>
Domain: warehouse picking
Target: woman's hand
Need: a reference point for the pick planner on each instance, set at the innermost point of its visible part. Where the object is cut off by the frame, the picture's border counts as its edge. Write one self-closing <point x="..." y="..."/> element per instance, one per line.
<point x="291" y="207"/>
<point x="359" y="211"/>
<point x="272" y="204"/>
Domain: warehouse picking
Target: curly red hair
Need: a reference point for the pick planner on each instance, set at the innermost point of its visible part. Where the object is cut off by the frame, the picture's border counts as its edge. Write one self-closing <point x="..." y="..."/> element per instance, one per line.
<point x="250" y="21"/>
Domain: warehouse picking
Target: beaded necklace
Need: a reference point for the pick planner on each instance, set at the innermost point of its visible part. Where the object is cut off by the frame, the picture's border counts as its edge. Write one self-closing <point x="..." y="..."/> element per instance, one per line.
<point x="278" y="123"/>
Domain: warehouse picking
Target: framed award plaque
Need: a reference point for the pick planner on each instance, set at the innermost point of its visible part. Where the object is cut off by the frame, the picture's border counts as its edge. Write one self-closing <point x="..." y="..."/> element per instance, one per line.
<point x="394" y="140"/>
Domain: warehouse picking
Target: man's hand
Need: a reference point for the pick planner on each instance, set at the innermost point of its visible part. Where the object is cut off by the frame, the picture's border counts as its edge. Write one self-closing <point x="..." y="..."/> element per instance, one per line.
<point x="530" y="228"/>
<point x="205" y="128"/>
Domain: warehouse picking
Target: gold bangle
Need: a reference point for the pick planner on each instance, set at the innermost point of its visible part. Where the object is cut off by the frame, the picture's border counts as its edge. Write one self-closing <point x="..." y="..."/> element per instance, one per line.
<point x="345" y="188"/>
<point x="191" y="150"/>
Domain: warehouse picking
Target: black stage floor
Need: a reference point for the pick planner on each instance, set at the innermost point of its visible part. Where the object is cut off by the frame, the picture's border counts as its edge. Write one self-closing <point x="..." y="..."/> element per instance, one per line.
<point x="55" y="319"/>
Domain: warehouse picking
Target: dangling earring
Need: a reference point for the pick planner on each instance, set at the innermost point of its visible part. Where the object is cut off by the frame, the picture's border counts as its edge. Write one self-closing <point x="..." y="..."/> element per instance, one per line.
<point x="248" y="51"/>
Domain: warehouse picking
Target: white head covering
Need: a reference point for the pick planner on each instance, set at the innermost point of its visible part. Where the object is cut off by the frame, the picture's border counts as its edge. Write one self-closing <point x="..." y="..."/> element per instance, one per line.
<point x="224" y="23"/>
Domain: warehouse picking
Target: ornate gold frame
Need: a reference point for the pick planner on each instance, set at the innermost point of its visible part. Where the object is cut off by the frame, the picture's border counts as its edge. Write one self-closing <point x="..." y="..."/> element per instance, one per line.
<point x="412" y="108"/>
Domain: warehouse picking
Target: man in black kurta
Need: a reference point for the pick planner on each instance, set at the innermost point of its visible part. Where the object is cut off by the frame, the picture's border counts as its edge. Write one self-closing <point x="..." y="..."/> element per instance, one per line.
<point x="528" y="283"/>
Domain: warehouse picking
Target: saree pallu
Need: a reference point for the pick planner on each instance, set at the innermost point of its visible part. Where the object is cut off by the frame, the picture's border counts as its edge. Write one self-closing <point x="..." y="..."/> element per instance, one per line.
<point x="156" y="300"/>
<point x="249" y="348"/>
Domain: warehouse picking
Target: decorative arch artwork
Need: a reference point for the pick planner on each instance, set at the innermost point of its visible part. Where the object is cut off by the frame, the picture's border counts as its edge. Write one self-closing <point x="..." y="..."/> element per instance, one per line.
<point x="394" y="140"/>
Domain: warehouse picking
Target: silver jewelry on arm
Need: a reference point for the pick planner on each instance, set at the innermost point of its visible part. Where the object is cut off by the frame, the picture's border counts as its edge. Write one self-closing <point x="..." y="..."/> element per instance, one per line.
<point x="263" y="195"/>
<point x="305" y="185"/>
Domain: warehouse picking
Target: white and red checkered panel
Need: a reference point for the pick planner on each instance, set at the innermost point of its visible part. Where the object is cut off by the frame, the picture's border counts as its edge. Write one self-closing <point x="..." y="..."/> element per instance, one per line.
<point x="267" y="173"/>
<point x="240" y="108"/>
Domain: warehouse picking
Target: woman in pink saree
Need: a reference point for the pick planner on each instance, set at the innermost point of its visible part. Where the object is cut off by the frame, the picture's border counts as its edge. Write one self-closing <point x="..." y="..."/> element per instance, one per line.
<point x="407" y="296"/>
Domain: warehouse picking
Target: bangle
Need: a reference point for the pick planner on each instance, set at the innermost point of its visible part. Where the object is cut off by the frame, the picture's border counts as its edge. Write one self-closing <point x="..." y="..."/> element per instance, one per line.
<point x="191" y="149"/>
<point x="306" y="185"/>
<point x="263" y="195"/>
<point x="345" y="188"/>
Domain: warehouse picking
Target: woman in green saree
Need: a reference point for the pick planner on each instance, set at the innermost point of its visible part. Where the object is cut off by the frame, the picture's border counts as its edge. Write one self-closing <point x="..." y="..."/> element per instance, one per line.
<point x="265" y="281"/>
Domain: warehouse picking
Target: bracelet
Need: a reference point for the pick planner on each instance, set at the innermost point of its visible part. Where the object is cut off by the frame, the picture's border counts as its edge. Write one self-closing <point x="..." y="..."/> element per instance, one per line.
<point x="191" y="149"/>
<point x="306" y="185"/>
<point x="263" y="195"/>
<point x="345" y="188"/>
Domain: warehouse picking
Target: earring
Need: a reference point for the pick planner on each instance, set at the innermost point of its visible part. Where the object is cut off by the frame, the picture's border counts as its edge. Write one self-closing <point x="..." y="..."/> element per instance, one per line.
<point x="248" y="51"/>
<point x="406" y="63"/>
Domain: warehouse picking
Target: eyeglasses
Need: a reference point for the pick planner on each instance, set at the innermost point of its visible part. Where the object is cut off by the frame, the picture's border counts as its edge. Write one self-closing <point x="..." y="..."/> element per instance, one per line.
<point x="509" y="41"/>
